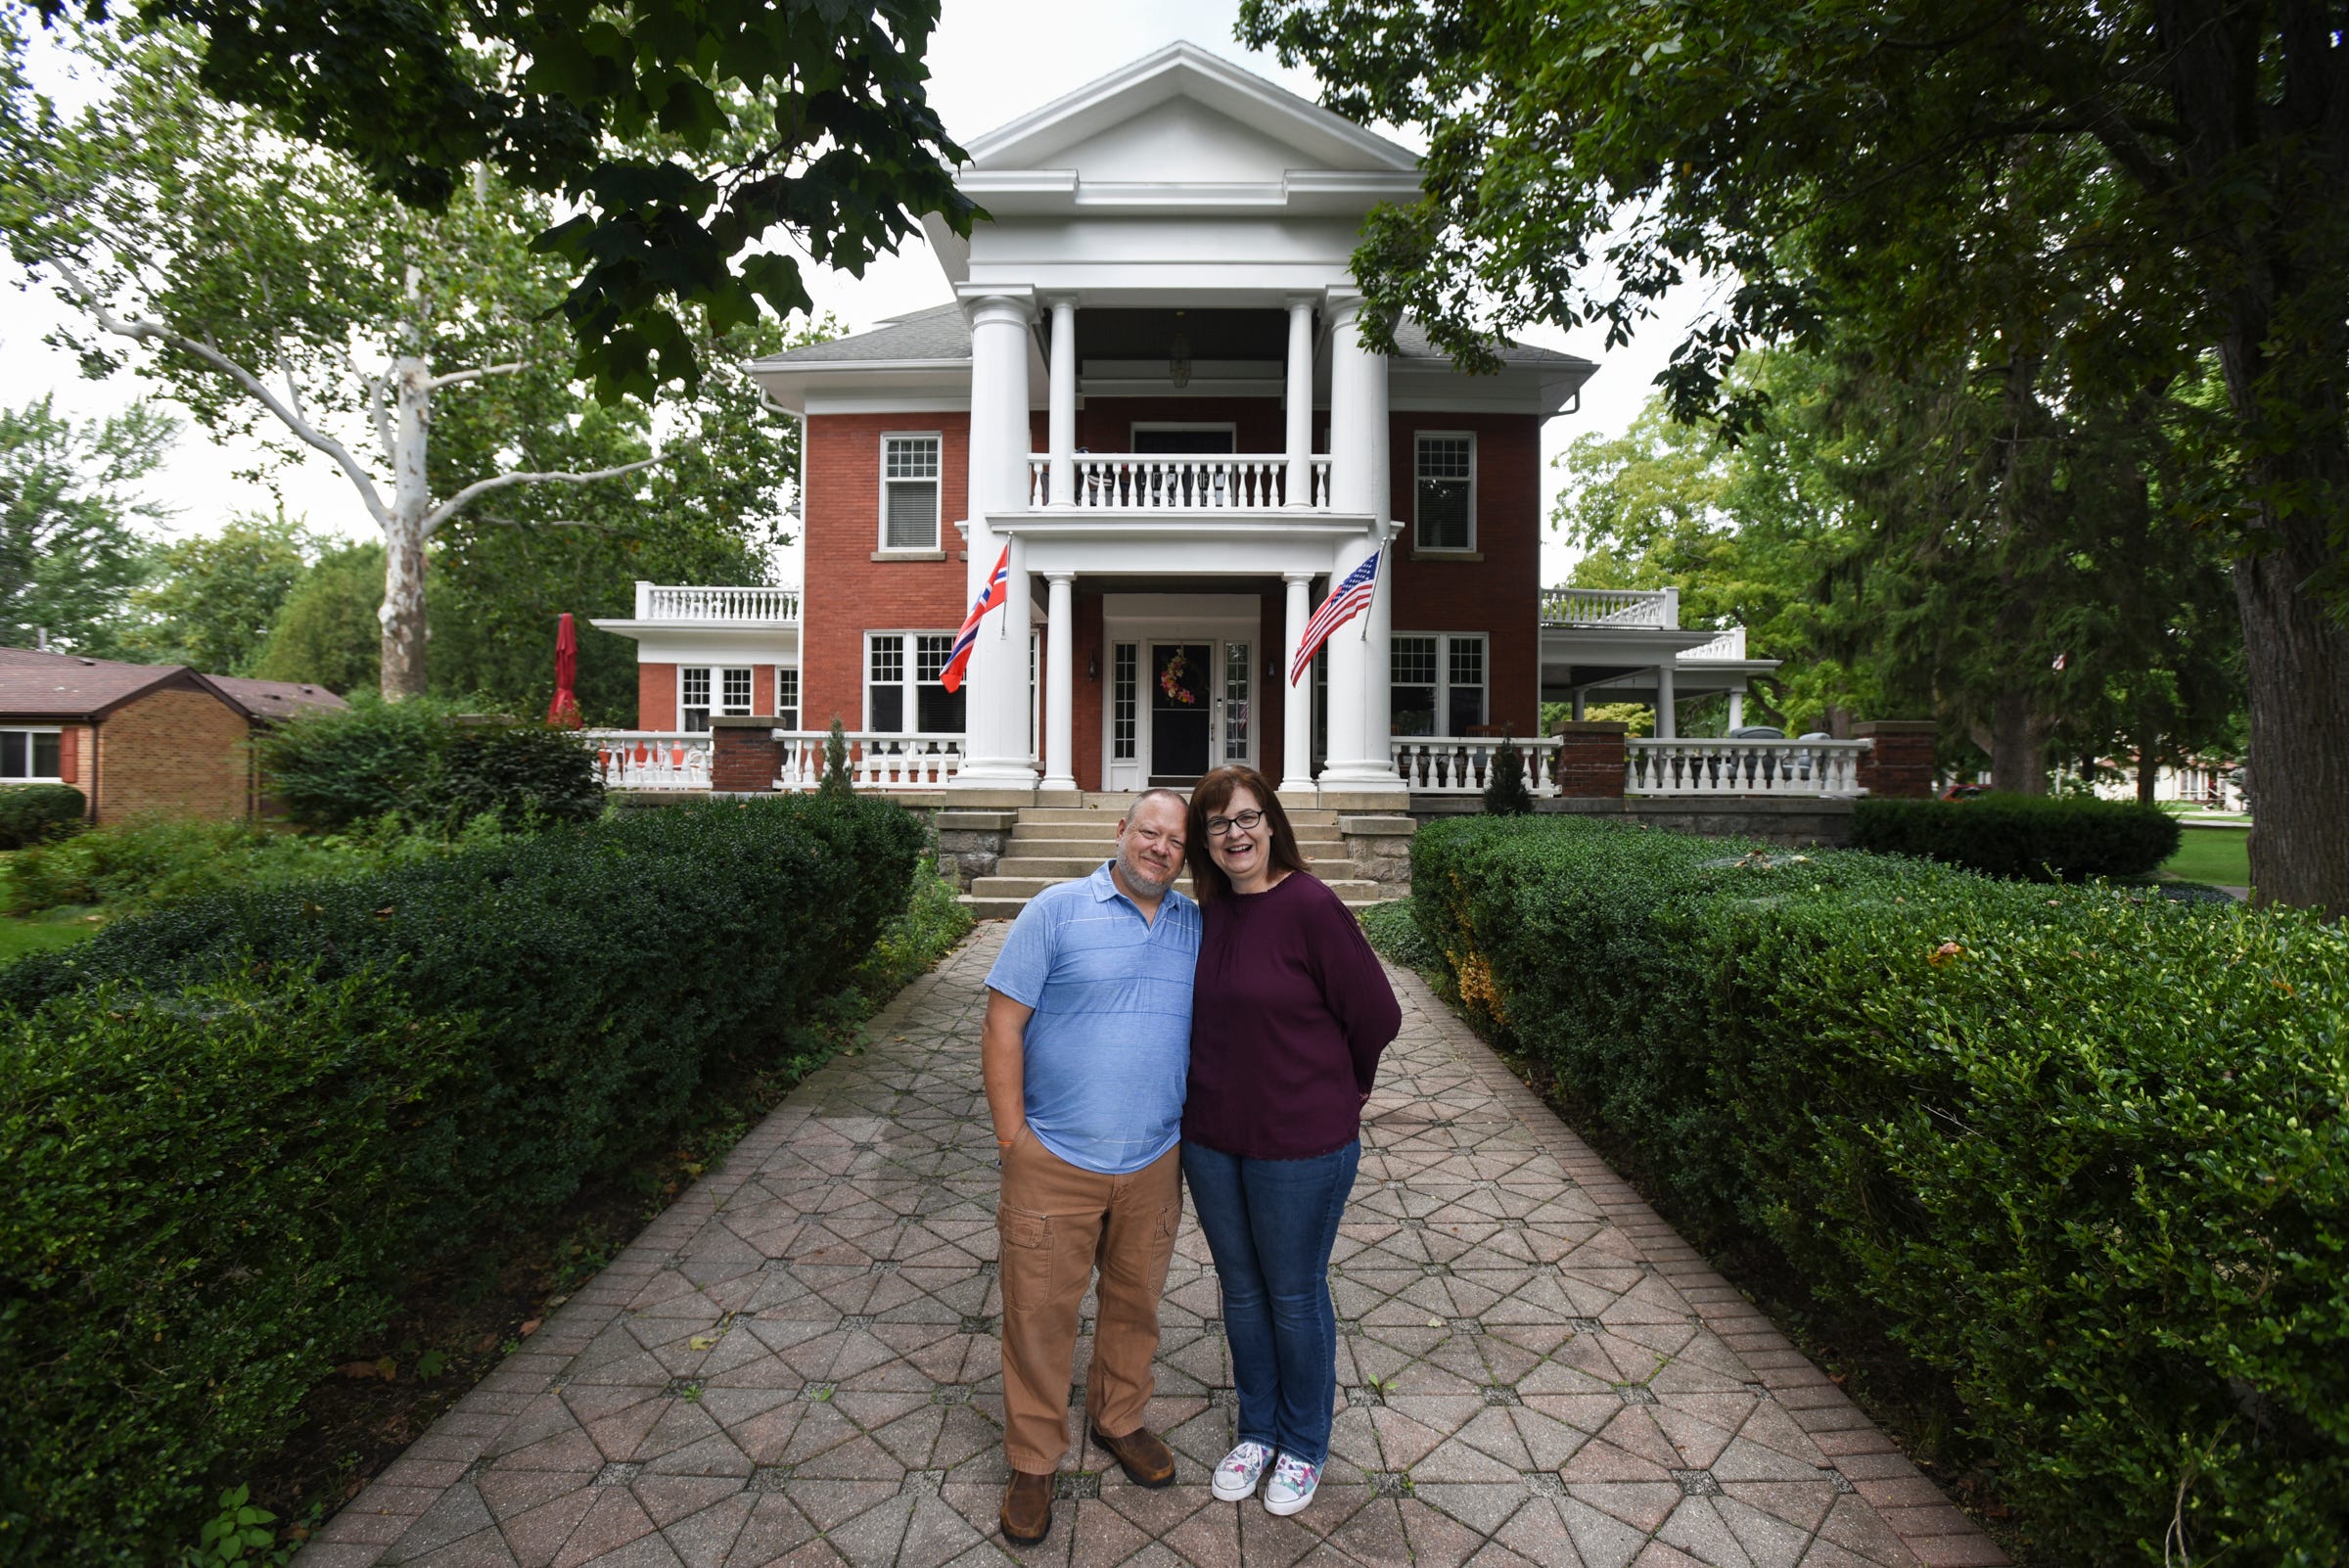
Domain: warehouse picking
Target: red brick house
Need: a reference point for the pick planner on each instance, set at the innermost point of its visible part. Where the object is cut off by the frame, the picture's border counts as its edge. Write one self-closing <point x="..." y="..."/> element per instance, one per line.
<point x="139" y="739"/>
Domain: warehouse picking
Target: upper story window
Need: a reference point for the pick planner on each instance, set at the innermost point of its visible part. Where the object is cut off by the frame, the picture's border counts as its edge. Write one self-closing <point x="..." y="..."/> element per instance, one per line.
<point x="909" y="492"/>
<point x="1436" y="684"/>
<point x="703" y="690"/>
<point x="1445" y="492"/>
<point x="31" y="756"/>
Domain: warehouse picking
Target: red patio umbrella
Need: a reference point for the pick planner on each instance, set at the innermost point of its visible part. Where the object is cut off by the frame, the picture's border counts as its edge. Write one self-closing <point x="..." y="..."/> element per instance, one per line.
<point x="563" y="711"/>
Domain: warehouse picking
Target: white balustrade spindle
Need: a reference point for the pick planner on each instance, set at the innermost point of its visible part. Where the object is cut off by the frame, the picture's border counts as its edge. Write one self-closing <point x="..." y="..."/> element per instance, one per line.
<point x="875" y="762"/>
<point x="718" y="605"/>
<point x="1465" y="766"/>
<point x="1609" y="607"/>
<point x="1808" y="767"/>
<point x="650" y="759"/>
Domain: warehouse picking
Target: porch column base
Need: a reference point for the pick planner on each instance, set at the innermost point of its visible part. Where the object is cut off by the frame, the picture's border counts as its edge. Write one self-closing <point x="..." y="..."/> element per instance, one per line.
<point x="1357" y="798"/>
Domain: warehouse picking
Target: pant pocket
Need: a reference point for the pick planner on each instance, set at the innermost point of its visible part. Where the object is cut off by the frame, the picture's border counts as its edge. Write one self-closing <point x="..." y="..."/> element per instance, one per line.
<point x="1025" y="1257"/>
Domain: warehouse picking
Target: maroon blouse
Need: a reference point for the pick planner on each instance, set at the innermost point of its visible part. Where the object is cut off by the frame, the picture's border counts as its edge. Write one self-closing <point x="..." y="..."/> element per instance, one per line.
<point x="1288" y="1018"/>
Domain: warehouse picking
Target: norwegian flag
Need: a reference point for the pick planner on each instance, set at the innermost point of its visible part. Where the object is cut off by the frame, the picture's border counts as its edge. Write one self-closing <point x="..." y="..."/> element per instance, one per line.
<point x="1346" y="600"/>
<point x="997" y="584"/>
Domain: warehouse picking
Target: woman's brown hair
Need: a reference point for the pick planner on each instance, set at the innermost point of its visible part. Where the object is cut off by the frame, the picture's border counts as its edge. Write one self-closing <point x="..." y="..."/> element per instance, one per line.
<point x="1208" y="881"/>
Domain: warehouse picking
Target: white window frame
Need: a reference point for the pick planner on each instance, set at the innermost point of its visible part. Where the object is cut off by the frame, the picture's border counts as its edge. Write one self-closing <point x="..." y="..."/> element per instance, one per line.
<point x="909" y="654"/>
<point x="29" y="731"/>
<point x="1419" y="544"/>
<point x="718" y="707"/>
<point x="937" y="482"/>
<point x="787" y="674"/>
<point x="1444" y="641"/>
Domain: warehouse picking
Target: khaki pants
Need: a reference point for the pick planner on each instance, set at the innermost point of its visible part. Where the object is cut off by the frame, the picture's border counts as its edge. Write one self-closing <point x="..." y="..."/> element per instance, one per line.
<point x="1057" y="1224"/>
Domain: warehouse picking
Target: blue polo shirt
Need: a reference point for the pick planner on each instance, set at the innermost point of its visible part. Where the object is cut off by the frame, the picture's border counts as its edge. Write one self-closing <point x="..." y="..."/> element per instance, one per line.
<point x="1109" y="1044"/>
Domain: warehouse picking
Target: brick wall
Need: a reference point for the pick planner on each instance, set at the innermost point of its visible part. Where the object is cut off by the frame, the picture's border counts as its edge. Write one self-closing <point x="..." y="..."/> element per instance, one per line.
<point x="655" y="696"/>
<point x="173" y="752"/>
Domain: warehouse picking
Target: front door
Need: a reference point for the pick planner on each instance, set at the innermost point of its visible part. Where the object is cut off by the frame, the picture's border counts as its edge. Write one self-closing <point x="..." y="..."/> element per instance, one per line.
<point x="1181" y="710"/>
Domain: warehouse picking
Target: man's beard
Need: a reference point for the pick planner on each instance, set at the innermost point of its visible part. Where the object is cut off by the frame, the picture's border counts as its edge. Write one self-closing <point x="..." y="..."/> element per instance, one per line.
<point x="1143" y="882"/>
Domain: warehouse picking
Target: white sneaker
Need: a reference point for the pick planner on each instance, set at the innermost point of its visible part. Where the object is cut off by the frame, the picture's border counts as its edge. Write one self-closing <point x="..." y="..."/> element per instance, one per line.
<point x="1236" y="1476"/>
<point x="1291" y="1487"/>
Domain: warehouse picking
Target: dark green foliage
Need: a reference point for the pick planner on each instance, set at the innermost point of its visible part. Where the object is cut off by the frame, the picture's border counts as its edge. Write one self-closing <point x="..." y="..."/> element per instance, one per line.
<point x="2038" y="838"/>
<point x="836" y="783"/>
<point x="516" y="773"/>
<point x="31" y="813"/>
<point x="2084" y="1150"/>
<point x="577" y="988"/>
<point x="330" y="770"/>
<point x="207" y="1191"/>
<point x="1394" y="930"/>
<point x="1505" y="794"/>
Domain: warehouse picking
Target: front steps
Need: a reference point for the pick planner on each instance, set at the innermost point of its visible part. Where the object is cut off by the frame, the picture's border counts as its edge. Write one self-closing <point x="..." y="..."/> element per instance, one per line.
<point x="1052" y="844"/>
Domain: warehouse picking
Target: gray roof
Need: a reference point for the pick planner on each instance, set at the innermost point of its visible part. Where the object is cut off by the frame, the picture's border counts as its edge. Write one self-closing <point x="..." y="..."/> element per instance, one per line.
<point x="942" y="334"/>
<point x="51" y="685"/>
<point x="272" y="699"/>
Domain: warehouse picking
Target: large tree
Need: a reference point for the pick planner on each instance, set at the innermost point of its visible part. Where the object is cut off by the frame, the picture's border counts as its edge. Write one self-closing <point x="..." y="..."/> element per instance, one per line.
<point x="1834" y="158"/>
<point x="682" y="138"/>
<point x="72" y="498"/>
<point x="267" y="288"/>
<point x="209" y="599"/>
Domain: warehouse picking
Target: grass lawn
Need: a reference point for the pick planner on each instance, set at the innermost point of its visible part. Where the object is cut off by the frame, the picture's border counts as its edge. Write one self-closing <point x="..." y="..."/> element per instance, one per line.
<point x="2215" y="855"/>
<point x="35" y="933"/>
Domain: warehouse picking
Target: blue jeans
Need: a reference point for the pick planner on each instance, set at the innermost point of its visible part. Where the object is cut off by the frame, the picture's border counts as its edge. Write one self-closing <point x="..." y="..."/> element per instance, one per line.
<point x="1270" y="1225"/>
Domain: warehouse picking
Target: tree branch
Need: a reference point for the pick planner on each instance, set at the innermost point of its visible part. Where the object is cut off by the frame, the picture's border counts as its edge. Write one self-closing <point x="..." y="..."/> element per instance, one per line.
<point x="379" y="403"/>
<point x="145" y="331"/>
<point x="458" y="377"/>
<point x="498" y="482"/>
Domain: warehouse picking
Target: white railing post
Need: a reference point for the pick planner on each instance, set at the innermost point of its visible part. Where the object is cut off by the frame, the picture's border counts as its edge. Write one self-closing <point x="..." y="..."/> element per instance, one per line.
<point x="1709" y="766"/>
<point x="1438" y="765"/>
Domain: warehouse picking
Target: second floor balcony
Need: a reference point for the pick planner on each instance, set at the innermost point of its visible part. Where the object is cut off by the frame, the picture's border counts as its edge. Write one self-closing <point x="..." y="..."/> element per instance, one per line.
<point x="1183" y="482"/>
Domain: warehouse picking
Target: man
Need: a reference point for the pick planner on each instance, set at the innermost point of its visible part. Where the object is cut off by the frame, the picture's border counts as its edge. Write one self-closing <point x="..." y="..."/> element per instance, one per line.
<point x="1084" y="1053"/>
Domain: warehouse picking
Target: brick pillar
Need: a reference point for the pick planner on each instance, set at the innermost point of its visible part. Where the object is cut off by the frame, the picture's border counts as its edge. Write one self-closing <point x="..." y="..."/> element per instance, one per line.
<point x="1591" y="758"/>
<point x="744" y="755"/>
<point x="1901" y="762"/>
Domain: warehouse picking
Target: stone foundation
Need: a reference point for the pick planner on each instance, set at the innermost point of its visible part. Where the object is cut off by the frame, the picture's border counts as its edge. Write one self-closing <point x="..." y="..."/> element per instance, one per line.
<point x="1795" y="821"/>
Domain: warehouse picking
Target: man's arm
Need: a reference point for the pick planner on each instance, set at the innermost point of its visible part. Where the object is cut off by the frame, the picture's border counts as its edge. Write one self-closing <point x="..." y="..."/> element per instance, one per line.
<point x="1003" y="1064"/>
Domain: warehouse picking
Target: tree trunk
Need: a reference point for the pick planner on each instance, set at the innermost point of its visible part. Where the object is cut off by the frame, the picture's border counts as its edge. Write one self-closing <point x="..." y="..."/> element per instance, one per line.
<point x="403" y="611"/>
<point x="2298" y="658"/>
<point x="2016" y="766"/>
<point x="2147" y="768"/>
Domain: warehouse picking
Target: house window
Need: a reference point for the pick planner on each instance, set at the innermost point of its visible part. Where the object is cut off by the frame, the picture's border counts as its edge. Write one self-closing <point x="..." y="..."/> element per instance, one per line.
<point x="787" y="699"/>
<point x="697" y="684"/>
<point x="1124" y="697"/>
<point x="1447" y="493"/>
<point x="31" y="756"/>
<point x="1236" y="702"/>
<point x="902" y="693"/>
<point x="909" y="495"/>
<point x="1436" y="685"/>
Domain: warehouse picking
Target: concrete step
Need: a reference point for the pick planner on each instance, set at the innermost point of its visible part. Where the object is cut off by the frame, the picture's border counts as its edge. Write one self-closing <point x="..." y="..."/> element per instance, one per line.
<point x="1318" y="816"/>
<point x="1027" y="887"/>
<point x="1067" y="868"/>
<point x="1002" y="908"/>
<point x="1310" y="841"/>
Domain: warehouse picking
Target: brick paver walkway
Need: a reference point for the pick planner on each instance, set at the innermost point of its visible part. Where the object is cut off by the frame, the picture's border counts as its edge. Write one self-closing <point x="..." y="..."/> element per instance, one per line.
<point x="796" y="1364"/>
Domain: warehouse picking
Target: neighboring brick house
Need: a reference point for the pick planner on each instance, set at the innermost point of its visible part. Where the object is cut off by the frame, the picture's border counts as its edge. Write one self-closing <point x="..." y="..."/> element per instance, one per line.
<point x="139" y="740"/>
<point x="1150" y="388"/>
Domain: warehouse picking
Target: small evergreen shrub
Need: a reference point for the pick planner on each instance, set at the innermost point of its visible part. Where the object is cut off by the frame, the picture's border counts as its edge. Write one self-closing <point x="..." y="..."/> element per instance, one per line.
<point x="2084" y="1150"/>
<point x="836" y="784"/>
<point x="336" y="767"/>
<point x="32" y="812"/>
<point x="516" y="773"/>
<point x="1506" y="791"/>
<point x="2036" y="838"/>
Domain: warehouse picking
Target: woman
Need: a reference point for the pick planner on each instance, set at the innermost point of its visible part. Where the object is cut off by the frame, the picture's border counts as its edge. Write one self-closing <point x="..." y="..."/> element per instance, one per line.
<point x="1288" y="1018"/>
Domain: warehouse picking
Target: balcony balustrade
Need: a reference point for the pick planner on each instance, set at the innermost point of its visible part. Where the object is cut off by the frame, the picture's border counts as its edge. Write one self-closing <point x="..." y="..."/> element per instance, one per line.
<point x="1172" y="481"/>
<point x="1649" y="608"/>
<point x="717" y="606"/>
<point x="1730" y="644"/>
<point x="1677" y="767"/>
<point x="680" y="760"/>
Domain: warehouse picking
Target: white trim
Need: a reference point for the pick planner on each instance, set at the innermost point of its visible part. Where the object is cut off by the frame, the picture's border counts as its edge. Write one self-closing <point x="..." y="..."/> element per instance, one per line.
<point x="1418" y="545"/>
<point x="882" y="483"/>
<point x="29" y="731"/>
<point x="718" y="707"/>
<point x="1444" y="686"/>
<point x="910" y="653"/>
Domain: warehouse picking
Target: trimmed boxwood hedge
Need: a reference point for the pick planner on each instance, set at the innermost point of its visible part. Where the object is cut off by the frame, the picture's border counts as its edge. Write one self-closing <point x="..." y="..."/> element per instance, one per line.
<point x="231" y="1125"/>
<point x="2085" y="1150"/>
<point x="2037" y="838"/>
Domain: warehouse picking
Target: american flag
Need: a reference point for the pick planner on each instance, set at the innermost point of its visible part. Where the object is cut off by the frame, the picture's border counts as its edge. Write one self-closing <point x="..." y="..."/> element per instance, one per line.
<point x="1346" y="600"/>
<point x="997" y="582"/>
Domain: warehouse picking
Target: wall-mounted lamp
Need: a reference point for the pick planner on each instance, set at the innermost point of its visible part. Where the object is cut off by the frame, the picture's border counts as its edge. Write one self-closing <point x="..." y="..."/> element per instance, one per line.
<point x="1271" y="666"/>
<point x="1092" y="667"/>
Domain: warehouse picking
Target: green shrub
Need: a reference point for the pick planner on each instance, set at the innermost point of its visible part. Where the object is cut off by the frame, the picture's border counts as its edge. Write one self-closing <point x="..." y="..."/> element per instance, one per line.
<point x="578" y="983"/>
<point x="145" y="862"/>
<point x="2038" y="838"/>
<point x="336" y="767"/>
<point x="1506" y="792"/>
<point x="32" y="812"/>
<point x="516" y="773"/>
<point x="2086" y="1151"/>
<point x="1394" y="930"/>
<point x="205" y="1195"/>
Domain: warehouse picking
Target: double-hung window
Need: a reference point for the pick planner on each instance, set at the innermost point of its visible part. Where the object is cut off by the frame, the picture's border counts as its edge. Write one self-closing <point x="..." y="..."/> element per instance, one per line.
<point x="705" y="691"/>
<point x="1436" y="683"/>
<point x="787" y="699"/>
<point x="909" y="492"/>
<point x="31" y="756"/>
<point x="902" y="693"/>
<point x="1445" y="492"/>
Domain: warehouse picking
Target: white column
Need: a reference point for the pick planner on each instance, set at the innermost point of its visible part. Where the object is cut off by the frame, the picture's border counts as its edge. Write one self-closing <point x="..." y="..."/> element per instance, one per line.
<point x="995" y="739"/>
<point x="1061" y="428"/>
<point x="1579" y="704"/>
<point x="1668" y="725"/>
<point x="1361" y="757"/>
<point x="1300" y="487"/>
<point x="1297" y="701"/>
<point x="1060" y="681"/>
<point x="1736" y="709"/>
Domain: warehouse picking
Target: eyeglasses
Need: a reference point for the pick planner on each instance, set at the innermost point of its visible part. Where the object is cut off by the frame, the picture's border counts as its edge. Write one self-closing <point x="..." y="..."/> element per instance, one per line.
<point x="1245" y="822"/>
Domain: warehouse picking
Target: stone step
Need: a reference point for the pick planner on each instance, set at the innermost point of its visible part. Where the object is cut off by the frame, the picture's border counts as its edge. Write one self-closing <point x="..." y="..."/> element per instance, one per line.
<point x="1324" y="816"/>
<point x="1027" y="887"/>
<point x="983" y="908"/>
<point x="1063" y="841"/>
<point x="1069" y="868"/>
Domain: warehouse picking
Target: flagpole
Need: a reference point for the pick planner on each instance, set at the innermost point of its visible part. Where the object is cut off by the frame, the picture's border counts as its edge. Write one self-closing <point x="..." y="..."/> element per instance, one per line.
<point x="1376" y="573"/>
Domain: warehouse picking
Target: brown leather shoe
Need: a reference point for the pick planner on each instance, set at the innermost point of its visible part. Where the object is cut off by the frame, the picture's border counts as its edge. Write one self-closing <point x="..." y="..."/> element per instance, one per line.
<point x="1026" y="1508"/>
<point x="1146" y="1461"/>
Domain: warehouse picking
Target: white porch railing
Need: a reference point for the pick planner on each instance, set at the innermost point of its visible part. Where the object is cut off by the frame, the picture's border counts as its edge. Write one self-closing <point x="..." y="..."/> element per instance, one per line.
<point x="1611" y="607"/>
<point x="1730" y="644"/>
<point x="1433" y="766"/>
<point x="650" y="758"/>
<point x="875" y="762"/>
<point x="717" y="606"/>
<point x="1170" y="481"/>
<point x="1744" y="766"/>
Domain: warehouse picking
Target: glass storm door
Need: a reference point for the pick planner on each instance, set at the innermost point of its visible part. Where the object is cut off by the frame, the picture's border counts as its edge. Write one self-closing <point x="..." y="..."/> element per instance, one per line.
<point x="1183" y="685"/>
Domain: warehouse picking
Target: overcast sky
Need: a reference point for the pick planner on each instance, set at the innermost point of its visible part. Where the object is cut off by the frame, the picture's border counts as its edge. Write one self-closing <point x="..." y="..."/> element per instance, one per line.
<point x="992" y="61"/>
